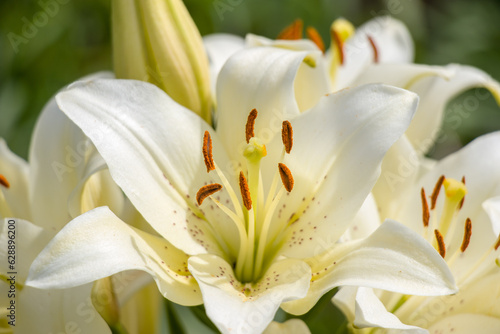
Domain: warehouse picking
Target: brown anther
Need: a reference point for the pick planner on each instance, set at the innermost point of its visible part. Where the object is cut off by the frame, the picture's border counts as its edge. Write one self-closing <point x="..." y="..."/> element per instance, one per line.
<point x="245" y="192"/>
<point x="425" y="208"/>
<point x="435" y="192"/>
<point x="206" y="191"/>
<point x="463" y="199"/>
<point x="467" y="235"/>
<point x="4" y="182"/>
<point x="286" y="176"/>
<point x="207" y="152"/>
<point x="287" y="136"/>
<point x="497" y="244"/>
<point x="292" y="31"/>
<point x="335" y="37"/>
<point x="250" y="126"/>
<point x="315" y="37"/>
<point x="374" y="47"/>
<point x="440" y="243"/>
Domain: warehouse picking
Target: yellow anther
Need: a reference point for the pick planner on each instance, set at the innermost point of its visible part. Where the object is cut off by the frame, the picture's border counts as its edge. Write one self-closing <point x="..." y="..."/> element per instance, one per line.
<point x="255" y="150"/>
<point x="4" y="182"/>
<point x="207" y="152"/>
<point x="286" y="177"/>
<point x="467" y="235"/>
<point x="206" y="191"/>
<point x="287" y="136"/>
<point x="440" y="243"/>
<point x="425" y="208"/>
<point x="245" y="192"/>
<point x="293" y="31"/>
<point x="315" y="37"/>
<point x="435" y="192"/>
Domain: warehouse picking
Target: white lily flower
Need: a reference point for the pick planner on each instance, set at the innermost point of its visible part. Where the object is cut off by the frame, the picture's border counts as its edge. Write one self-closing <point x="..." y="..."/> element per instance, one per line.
<point x="466" y="233"/>
<point x="64" y="164"/>
<point x="246" y="221"/>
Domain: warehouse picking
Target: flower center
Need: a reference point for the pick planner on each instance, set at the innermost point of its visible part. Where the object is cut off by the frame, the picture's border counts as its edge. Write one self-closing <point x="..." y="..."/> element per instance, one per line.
<point x="445" y="227"/>
<point x="253" y="215"/>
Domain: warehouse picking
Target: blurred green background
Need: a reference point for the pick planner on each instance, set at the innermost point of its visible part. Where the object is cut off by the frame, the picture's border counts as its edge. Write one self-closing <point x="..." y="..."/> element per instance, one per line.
<point x="75" y="41"/>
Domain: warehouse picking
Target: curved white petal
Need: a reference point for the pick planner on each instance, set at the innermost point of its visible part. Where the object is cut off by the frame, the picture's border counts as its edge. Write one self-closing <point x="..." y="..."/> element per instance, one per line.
<point x="366" y="221"/>
<point x="393" y="258"/>
<point x="466" y="324"/>
<point x="400" y="75"/>
<point x="393" y="43"/>
<point x="28" y="240"/>
<point x="16" y="171"/>
<point x="57" y="158"/>
<point x="265" y="78"/>
<point x="219" y="48"/>
<point x="252" y="40"/>
<point x="58" y="311"/>
<point x="370" y="312"/>
<point x="492" y="208"/>
<point x="96" y="188"/>
<point x="435" y="92"/>
<point x="292" y="326"/>
<point x="400" y="169"/>
<point x="237" y="308"/>
<point x="153" y="148"/>
<point x="350" y="132"/>
<point x="345" y="300"/>
<point x="98" y="244"/>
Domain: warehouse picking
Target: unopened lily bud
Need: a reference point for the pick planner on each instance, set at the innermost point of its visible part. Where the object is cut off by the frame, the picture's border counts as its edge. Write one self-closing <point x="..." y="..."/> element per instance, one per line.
<point x="157" y="41"/>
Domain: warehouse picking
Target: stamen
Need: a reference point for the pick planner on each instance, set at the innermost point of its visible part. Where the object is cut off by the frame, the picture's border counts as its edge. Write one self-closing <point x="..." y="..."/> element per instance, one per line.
<point x="467" y="235"/>
<point x="4" y="182"/>
<point x="206" y="191"/>
<point x="286" y="176"/>
<point x="497" y="244"/>
<point x="314" y="36"/>
<point x="435" y="192"/>
<point x="207" y="152"/>
<point x="336" y="37"/>
<point x="425" y="208"/>
<point x="374" y="47"/>
<point x="250" y="126"/>
<point x="287" y="136"/>
<point x="293" y="31"/>
<point x="440" y="243"/>
<point x="463" y="199"/>
<point x="245" y="192"/>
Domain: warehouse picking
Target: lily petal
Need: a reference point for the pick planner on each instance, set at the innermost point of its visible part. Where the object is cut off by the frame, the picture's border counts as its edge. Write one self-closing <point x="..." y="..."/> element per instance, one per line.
<point x="391" y="39"/>
<point x="234" y="307"/>
<point x="492" y="208"/>
<point x="466" y="323"/>
<point x="160" y="169"/>
<point x="292" y="326"/>
<point x="30" y="240"/>
<point x="56" y="171"/>
<point x="16" y="171"/>
<point x="350" y="132"/>
<point x="219" y="48"/>
<point x="98" y="244"/>
<point x="435" y="92"/>
<point x="393" y="258"/>
<point x="268" y="78"/>
<point x="370" y="312"/>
